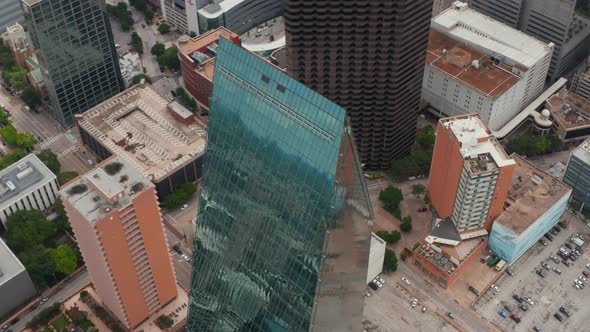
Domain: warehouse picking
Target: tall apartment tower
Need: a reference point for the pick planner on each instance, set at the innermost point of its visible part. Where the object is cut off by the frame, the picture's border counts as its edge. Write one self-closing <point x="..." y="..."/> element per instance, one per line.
<point x="284" y="224"/>
<point x="581" y="80"/>
<point x="76" y="51"/>
<point x="577" y="174"/>
<point x="547" y="20"/>
<point x="115" y="216"/>
<point x="366" y="56"/>
<point x="470" y="175"/>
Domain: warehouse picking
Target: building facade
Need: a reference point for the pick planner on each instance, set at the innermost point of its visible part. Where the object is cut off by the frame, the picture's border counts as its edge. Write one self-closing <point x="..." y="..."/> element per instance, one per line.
<point x="376" y="257"/>
<point x="469" y="176"/>
<point x="475" y="63"/>
<point x="10" y="13"/>
<point x="368" y="59"/>
<point x="16" y="39"/>
<point x="131" y="66"/>
<point x="571" y="115"/>
<point x="577" y="174"/>
<point x="74" y="43"/>
<point x="283" y="231"/>
<point x="581" y="81"/>
<point x="552" y="21"/>
<point x="16" y="286"/>
<point x="138" y="125"/>
<point x="438" y="6"/>
<point x="26" y="185"/>
<point x="197" y="61"/>
<point x="116" y="219"/>
<point x="535" y="203"/>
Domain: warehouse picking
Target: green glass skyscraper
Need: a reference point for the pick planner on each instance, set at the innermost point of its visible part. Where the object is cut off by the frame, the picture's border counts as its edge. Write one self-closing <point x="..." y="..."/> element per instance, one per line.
<point x="74" y="43"/>
<point x="284" y="222"/>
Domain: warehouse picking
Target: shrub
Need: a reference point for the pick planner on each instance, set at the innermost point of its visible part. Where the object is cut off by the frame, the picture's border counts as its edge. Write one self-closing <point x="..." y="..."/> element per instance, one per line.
<point x="390" y="237"/>
<point x="165" y="321"/>
<point x="406" y="227"/>
<point x="391" y="197"/>
<point x="390" y="261"/>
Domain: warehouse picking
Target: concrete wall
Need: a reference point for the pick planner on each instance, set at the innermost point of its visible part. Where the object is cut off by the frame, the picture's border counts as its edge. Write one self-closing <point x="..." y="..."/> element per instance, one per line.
<point x="15" y="292"/>
<point x="376" y="257"/>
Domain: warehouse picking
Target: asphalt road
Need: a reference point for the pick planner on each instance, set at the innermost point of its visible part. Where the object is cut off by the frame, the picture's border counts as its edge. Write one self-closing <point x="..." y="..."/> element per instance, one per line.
<point x="69" y="289"/>
<point x="183" y="270"/>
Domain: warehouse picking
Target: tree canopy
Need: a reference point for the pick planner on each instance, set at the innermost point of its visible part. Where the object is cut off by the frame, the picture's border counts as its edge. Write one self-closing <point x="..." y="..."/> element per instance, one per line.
<point x="137" y="42"/>
<point x="30" y="96"/>
<point x="170" y="58"/>
<point x="419" y="160"/>
<point x="418" y="189"/>
<point x="122" y="14"/>
<point x="390" y="237"/>
<point x="164" y="28"/>
<point x="50" y="160"/>
<point x="65" y="259"/>
<point x="137" y="78"/>
<point x="158" y="49"/>
<point x="530" y="145"/>
<point x="17" y="77"/>
<point x="179" y="196"/>
<point x="390" y="261"/>
<point x="66" y="177"/>
<point x="26" y="229"/>
<point x="391" y="197"/>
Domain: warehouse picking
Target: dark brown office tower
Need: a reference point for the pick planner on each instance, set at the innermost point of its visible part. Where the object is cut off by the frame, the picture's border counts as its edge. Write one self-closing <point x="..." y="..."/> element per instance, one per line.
<point x="368" y="57"/>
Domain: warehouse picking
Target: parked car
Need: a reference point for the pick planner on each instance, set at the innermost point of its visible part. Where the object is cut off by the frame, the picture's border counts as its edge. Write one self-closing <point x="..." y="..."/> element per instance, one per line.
<point x="557" y="229"/>
<point x="495" y="288"/>
<point x="562" y="225"/>
<point x="502" y="313"/>
<point x="423" y="309"/>
<point x="507" y="307"/>
<point x="515" y="318"/>
<point x="569" y="246"/>
<point x="552" y="231"/>
<point x="588" y="266"/>
<point x="540" y="273"/>
<point x="423" y="209"/>
<point x="406" y="281"/>
<point x="586" y="274"/>
<point x="529" y="300"/>
<point x="548" y="237"/>
<point x="510" y="273"/>
<point x="523" y="307"/>
<point x="543" y="242"/>
<point x="450" y="315"/>
<point x="536" y="329"/>
<point x="518" y="298"/>
<point x="558" y="317"/>
<point x="184" y="207"/>
<point x="564" y="311"/>
<point x="556" y="270"/>
<point x="414" y="302"/>
<point x="576" y="285"/>
<point x="373" y="285"/>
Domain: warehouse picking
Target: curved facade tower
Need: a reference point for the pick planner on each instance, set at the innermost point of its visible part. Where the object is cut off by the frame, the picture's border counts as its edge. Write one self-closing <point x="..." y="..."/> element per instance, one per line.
<point x="368" y="57"/>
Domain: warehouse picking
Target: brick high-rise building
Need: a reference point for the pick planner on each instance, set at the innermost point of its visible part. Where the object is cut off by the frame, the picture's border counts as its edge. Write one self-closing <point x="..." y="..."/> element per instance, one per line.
<point x="470" y="175"/>
<point x="367" y="56"/>
<point x="116" y="219"/>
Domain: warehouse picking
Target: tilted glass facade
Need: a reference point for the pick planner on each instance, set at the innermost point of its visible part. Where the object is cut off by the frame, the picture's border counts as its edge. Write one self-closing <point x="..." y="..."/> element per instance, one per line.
<point x="76" y="51"/>
<point x="284" y="222"/>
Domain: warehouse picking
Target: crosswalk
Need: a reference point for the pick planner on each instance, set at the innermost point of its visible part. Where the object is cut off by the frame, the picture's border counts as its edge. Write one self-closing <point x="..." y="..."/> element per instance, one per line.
<point x="67" y="151"/>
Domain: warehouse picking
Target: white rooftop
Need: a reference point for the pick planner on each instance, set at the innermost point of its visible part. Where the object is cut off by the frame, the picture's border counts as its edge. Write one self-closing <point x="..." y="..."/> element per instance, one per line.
<point x="475" y="28"/>
<point x="10" y="266"/>
<point x="469" y="129"/>
<point x="22" y="178"/>
<point x="583" y="151"/>
<point x="215" y="10"/>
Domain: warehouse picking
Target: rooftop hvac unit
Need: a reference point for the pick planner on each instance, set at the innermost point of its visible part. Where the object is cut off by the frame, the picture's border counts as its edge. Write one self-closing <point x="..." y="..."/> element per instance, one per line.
<point x="24" y="173"/>
<point x="10" y="185"/>
<point x="536" y="180"/>
<point x="21" y="166"/>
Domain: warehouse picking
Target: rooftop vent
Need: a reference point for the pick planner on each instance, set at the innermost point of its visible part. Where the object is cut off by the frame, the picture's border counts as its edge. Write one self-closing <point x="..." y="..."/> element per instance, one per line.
<point x="21" y="166"/>
<point x="10" y="185"/>
<point x="536" y="180"/>
<point x="24" y="173"/>
<point x="475" y="64"/>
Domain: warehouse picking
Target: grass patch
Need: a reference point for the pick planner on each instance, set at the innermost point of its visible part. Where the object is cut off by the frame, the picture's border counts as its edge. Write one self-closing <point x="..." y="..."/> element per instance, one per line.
<point x="60" y="323"/>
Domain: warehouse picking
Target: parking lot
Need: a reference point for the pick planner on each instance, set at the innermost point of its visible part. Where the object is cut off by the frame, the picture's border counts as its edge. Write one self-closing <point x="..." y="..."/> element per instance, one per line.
<point x="548" y="293"/>
<point x="389" y="309"/>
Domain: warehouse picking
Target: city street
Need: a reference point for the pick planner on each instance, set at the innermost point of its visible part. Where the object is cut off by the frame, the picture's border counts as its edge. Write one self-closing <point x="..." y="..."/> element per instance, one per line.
<point x="183" y="270"/>
<point x="70" y="288"/>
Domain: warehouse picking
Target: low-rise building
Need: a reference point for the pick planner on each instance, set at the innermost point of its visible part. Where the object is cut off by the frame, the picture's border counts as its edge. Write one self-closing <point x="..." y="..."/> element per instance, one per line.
<point x="131" y="66"/>
<point x="477" y="64"/>
<point x="16" y="287"/>
<point x="15" y="38"/>
<point x="577" y="174"/>
<point x="197" y="59"/>
<point x="535" y="203"/>
<point x="571" y="113"/>
<point x="28" y="184"/>
<point x="444" y="263"/>
<point x="138" y="126"/>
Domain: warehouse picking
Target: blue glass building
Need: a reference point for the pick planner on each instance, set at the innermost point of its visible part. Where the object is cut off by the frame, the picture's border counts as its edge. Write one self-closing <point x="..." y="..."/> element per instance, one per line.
<point x="283" y="229"/>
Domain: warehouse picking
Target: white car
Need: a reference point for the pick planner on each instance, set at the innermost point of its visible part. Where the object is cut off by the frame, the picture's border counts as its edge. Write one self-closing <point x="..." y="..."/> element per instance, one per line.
<point x="185" y="257"/>
<point x="588" y="266"/>
<point x="381" y="280"/>
<point x="406" y="281"/>
<point x="495" y="288"/>
<point x="577" y="286"/>
<point x="184" y="207"/>
<point x="583" y="279"/>
<point x="43" y="300"/>
<point x="529" y="301"/>
<point x="378" y="283"/>
<point x="412" y="178"/>
<point x="414" y="302"/>
<point x="90" y="162"/>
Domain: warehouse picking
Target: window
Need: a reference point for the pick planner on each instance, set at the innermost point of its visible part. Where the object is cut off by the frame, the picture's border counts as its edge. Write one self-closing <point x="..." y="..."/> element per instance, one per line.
<point x="265" y="79"/>
<point x="281" y="88"/>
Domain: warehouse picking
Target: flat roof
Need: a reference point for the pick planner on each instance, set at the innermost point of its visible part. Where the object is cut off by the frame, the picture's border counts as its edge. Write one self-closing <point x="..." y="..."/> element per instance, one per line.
<point x="182" y="111"/>
<point x="582" y="151"/>
<point x="22" y="178"/>
<point x="95" y="194"/>
<point x="216" y="9"/>
<point x="470" y="26"/>
<point x="570" y="110"/>
<point x="189" y="46"/>
<point x="531" y="193"/>
<point x="477" y="141"/>
<point x="10" y="266"/>
<point x="136" y="125"/>
<point x="468" y="65"/>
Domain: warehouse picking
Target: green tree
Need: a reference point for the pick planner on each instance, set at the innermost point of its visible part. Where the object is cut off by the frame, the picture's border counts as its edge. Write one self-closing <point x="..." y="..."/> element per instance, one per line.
<point x="170" y="58"/>
<point x="164" y="28"/>
<point x="4" y="118"/>
<point x="27" y="228"/>
<point x="137" y="78"/>
<point x="407" y="219"/>
<point x="122" y="15"/>
<point x="159" y="49"/>
<point x="25" y="140"/>
<point x="180" y="196"/>
<point x="9" y="134"/>
<point x="17" y="77"/>
<point x="149" y="17"/>
<point x="185" y="99"/>
<point x="11" y="158"/>
<point x="390" y="237"/>
<point x="391" y="197"/>
<point x="7" y="60"/>
<point x="66" y="177"/>
<point x="64" y="258"/>
<point x="390" y="261"/>
<point x="426" y="138"/>
<point x="50" y="160"/>
<point x="30" y="96"/>
<point x="403" y="256"/>
<point x="139" y="5"/>
<point x="418" y="189"/>
<point x="165" y="321"/>
<point x="406" y="227"/>
<point x="137" y="42"/>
